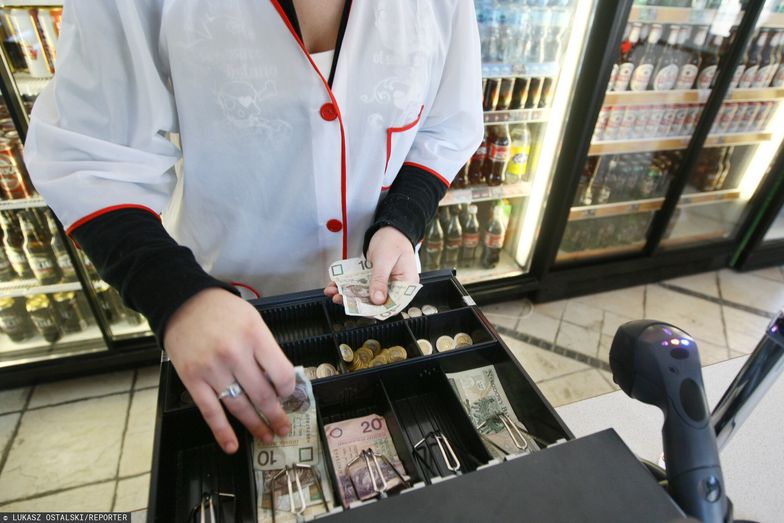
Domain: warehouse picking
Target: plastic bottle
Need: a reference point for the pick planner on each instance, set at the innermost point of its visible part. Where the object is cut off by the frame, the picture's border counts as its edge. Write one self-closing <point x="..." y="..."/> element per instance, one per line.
<point x="494" y="239"/>
<point x="517" y="168"/>
<point x="470" y="238"/>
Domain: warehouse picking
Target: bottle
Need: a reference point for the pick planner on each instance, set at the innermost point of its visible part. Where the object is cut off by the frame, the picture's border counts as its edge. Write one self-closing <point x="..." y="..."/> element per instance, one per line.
<point x="519" y="93"/>
<point x="778" y="74"/>
<point x="534" y="92"/>
<point x="444" y="215"/>
<point x="461" y="179"/>
<point x="492" y="92"/>
<point x="710" y="61"/>
<point x="13" y="241"/>
<point x="547" y="92"/>
<point x="559" y="20"/>
<point x="617" y="64"/>
<point x="433" y="246"/>
<point x="665" y="74"/>
<point x="494" y="239"/>
<point x="14" y="321"/>
<point x="454" y="242"/>
<point x="520" y="150"/>
<point x="476" y="175"/>
<point x="59" y="250"/>
<point x="540" y="21"/>
<point x="39" y="256"/>
<point x="643" y="68"/>
<point x="6" y="270"/>
<point x="753" y="58"/>
<point x="44" y="318"/>
<point x="68" y="312"/>
<point x="625" y="63"/>
<point x="470" y="238"/>
<point x="726" y="167"/>
<point x="691" y="61"/>
<point x="498" y="156"/>
<point x="505" y="94"/>
<point x="777" y="57"/>
<point x="768" y="62"/>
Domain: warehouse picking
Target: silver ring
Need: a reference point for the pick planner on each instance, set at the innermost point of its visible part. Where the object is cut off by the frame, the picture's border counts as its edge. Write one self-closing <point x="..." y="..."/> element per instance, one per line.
<point x="234" y="390"/>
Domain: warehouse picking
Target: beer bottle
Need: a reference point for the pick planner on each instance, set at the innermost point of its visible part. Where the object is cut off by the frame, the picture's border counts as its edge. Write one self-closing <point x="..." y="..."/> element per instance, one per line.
<point x="534" y="92"/>
<point x="470" y="238"/>
<point x="644" y="66"/>
<point x="666" y="72"/>
<point x="777" y="72"/>
<point x="768" y="62"/>
<point x="14" y="320"/>
<point x="476" y="175"/>
<point x="519" y="93"/>
<point x="505" y="94"/>
<point x="520" y="150"/>
<point x="492" y="92"/>
<point x="494" y="239"/>
<point x="44" y="318"/>
<point x="753" y="58"/>
<point x="109" y="301"/>
<point x="454" y="242"/>
<point x="39" y="256"/>
<point x="433" y="246"/>
<point x="547" y="92"/>
<point x="13" y="241"/>
<point x="710" y="62"/>
<point x="68" y="312"/>
<point x="625" y="63"/>
<point x="691" y="61"/>
<point x="498" y="156"/>
<point x="6" y="270"/>
<point x="59" y="250"/>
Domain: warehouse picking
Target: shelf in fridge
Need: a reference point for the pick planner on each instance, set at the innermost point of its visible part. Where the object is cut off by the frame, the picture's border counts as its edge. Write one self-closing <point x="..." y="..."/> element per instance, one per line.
<point x="30" y="85"/>
<point x="514" y="116"/>
<point x="31" y="3"/>
<point x="36" y="348"/>
<point x="615" y="209"/>
<point x="24" y="203"/>
<point x="688" y="15"/>
<point x="674" y="143"/>
<point x="701" y="198"/>
<point x="485" y="193"/>
<point x="613" y="250"/>
<point x="19" y="288"/>
<point x="500" y="70"/>
<point x="690" y="96"/>
<point x="506" y="268"/>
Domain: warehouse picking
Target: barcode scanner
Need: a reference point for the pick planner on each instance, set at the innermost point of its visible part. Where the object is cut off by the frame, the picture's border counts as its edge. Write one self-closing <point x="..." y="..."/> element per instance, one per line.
<point x="658" y="364"/>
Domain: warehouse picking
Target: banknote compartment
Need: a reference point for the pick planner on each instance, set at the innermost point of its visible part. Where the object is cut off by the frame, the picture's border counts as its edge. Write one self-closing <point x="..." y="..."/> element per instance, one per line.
<point x="355" y="397"/>
<point x="444" y="295"/>
<point x="450" y="323"/>
<point x="424" y="404"/>
<point x="297" y="321"/>
<point x="387" y="333"/>
<point x="176" y="396"/>
<point x="339" y="321"/>
<point x="313" y="352"/>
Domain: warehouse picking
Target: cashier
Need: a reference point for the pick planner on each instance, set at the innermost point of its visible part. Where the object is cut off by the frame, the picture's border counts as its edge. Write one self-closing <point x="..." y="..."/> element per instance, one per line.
<point x="196" y="148"/>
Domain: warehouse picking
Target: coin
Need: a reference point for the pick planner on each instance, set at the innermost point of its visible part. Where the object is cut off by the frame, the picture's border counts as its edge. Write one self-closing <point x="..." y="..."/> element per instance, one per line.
<point x="373" y="345"/>
<point x="346" y="352"/>
<point x="397" y="353"/>
<point x="445" y="343"/>
<point x="425" y="346"/>
<point x="427" y="310"/>
<point x="310" y="373"/>
<point x="463" y="340"/>
<point x="405" y="315"/>
<point x="415" y="312"/>
<point x="364" y="354"/>
<point x="379" y="360"/>
<point x="325" y="370"/>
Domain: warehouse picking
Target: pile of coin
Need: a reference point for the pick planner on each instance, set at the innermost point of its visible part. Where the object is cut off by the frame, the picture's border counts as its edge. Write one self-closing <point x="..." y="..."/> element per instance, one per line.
<point x="322" y="371"/>
<point x="353" y="324"/>
<point x="446" y="343"/>
<point x="371" y="354"/>
<point x="416" y="312"/>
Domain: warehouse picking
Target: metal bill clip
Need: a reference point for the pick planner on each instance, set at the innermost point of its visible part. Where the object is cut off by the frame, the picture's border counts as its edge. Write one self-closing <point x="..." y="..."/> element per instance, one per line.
<point x="517" y="434"/>
<point x="205" y="508"/>
<point x="372" y="461"/>
<point x="295" y="476"/>
<point x="450" y="458"/>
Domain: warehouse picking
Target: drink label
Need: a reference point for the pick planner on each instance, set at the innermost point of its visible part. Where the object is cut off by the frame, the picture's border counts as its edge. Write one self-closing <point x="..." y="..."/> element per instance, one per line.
<point x="763" y="75"/>
<point x="641" y="77"/>
<point x="613" y="76"/>
<point x="18" y="260"/>
<point x="762" y="116"/>
<point x="454" y="243"/>
<point x="666" y="77"/>
<point x="494" y="241"/>
<point x="735" y="124"/>
<point x="748" y="77"/>
<point x="613" y="123"/>
<point x="778" y="79"/>
<point x="4" y="263"/>
<point x="686" y="77"/>
<point x="623" y="77"/>
<point x="691" y="119"/>
<point x="518" y="163"/>
<point x="627" y="124"/>
<point x="479" y="155"/>
<point x="736" y="76"/>
<point x="655" y="116"/>
<point x="678" y="121"/>
<point x="470" y="240"/>
<point x="725" y="116"/>
<point x="40" y="263"/>
<point x="706" y="77"/>
<point x="748" y="115"/>
<point x="64" y="261"/>
<point x="667" y="119"/>
<point x="433" y="247"/>
<point x="42" y="322"/>
<point x="499" y="153"/>
<point x="9" y="323"/>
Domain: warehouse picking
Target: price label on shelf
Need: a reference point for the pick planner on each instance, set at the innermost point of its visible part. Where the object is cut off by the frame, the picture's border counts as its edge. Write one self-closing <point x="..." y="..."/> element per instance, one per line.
<point x="648" y="14"/>
<point x="633" y="207"/>
<point x="480" y="192"/>
<point x="700" y="16"/>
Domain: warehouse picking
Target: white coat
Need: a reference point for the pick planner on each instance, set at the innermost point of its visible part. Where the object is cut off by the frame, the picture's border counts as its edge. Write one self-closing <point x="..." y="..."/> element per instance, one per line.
<point x="281" y="175"/>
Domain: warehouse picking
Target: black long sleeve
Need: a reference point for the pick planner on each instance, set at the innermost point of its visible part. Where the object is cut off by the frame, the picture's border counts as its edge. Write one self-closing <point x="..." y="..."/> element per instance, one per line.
<point x="134" y="254"/>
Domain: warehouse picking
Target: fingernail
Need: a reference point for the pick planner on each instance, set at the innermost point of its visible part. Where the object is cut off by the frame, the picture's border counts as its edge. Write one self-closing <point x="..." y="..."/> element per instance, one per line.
<point x="230" y="446"/>
<point x="267" y="438"/>
<point x="378" y="296"/>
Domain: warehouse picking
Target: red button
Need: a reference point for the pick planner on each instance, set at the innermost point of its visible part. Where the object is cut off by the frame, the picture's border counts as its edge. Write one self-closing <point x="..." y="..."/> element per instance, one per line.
<point x="334" y="225"/>
<point x="328" y="112"/>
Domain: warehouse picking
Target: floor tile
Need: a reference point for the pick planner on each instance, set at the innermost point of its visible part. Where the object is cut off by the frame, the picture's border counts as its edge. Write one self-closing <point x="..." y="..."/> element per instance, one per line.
<point x="539" y="325"/>
<point x="137" y="447"/>
<point x="584" y="315"/>
<point x="704" y="283"/>
<point x="604" y="347"/>
<point x="147" y="377"/>
<point x="542" y="364"/>
<point x="81" y="388"/>
<point x="575" y="387"/>
<point x="7" y="426"/>
<point x="612" y="321"/>
<point x="554" y="309"/>
<point x="699" y="318"/>
<point x="771" y="273"/>
<point x="710" y="353"/>
<point x="91" y="498"/>
<point x="506" y="313"/>
<point x="132" y="494"/>
<point x="744" y="330"/>
<point x="578" y="339"/>
<point x="65" y="446"/>
<point x="12" y="400"/>
<point x="608" y="377"/>
<point x="751" y="290"/>
<point x="627" y="301"/>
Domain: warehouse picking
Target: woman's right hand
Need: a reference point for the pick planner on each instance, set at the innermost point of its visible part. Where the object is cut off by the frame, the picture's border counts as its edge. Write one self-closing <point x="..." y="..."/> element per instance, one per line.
<point x="215" y="339"/>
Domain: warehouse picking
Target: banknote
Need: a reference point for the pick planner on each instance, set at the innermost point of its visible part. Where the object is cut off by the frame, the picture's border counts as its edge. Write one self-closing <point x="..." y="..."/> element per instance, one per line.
<point x="302" y="446"/>
<point x="483" y="398"/>
<point x="352" y="278"/>
<point x="346" y="440"/>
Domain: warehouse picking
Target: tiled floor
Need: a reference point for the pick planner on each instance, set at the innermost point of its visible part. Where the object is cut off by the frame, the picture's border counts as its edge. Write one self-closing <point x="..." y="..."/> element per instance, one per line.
<point x="86" y="444"/>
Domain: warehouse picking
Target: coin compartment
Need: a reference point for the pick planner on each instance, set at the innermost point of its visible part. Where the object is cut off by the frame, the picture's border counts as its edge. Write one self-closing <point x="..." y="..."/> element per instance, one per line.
<point x="355" y="397"/>
<point x="424" y="402"/>
<point x="339" y="321"/>
<point x="313" y="352"/>
<point x="388" y="334"/>
<point x="297" y="321"/>
<point x="443" y="295"/>
<point x="449" y="323"/>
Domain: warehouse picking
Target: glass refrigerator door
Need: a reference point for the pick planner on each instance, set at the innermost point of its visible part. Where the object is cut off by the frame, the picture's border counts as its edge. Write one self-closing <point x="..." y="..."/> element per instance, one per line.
<point x="743" y="141"/>
<point x="489" y="218"/>
<point x="663" y="75"/>
<point x="29" y="36"/>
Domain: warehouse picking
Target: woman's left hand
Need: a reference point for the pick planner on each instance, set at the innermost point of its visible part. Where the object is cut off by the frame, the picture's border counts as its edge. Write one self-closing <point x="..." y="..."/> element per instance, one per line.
<point x="392" y="257"/>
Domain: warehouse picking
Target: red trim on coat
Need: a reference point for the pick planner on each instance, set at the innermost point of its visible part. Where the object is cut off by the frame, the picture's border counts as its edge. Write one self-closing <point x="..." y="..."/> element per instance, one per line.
<point x="431" y="171"/>
<point x="100" y="212"/>
<point x="246" y="286"/>
<point x="392" y="130"/>
<point x="285" y="19"/>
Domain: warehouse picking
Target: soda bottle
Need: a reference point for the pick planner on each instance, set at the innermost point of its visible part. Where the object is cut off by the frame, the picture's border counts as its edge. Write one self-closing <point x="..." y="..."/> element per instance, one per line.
<point x="520" y="150"/>
<point x="454" y="242"/>
<point x="13" y="241"/>
<point x="470" y="238"/>
<point x="494" y="239"/>
<point x="461" y="180"/>
<point x="498" y="156"/>
<point x="433" y="246"/>
<point x="444" y="216"/>
<point x="39" y="256"/>
<point x="476" y="175"/>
